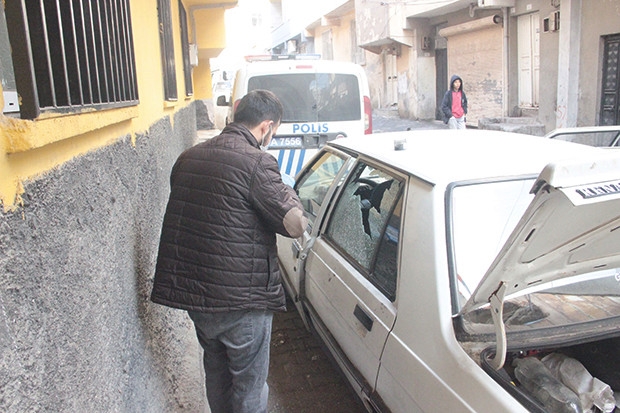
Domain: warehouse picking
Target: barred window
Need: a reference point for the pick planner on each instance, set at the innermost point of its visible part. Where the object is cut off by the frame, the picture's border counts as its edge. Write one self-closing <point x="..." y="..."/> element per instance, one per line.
<point x="167" y="49"/>
<point x="72" y="55"/>
<point x="187" y="66"/>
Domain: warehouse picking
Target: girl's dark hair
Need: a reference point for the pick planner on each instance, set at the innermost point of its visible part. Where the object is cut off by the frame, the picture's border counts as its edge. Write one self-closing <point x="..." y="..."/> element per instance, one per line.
<point x="257" y="106"/>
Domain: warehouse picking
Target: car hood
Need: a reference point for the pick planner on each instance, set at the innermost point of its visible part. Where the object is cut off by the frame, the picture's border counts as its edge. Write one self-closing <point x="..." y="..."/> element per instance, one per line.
<point x="571" y="227"/>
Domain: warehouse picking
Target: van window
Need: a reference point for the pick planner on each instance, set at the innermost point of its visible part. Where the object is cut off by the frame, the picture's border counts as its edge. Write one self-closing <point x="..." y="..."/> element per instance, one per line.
<point x="313" y="97"/>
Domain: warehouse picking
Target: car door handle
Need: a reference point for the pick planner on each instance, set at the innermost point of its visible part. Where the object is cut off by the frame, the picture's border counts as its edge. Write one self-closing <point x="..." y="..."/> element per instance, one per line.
<point x="296" y="248"/>
<point x="363" y="317"/>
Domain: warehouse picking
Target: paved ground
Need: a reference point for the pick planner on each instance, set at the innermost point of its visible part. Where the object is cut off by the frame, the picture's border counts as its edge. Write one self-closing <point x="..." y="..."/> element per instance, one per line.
<point x="387" y="120"/>
<point x="383" y="120"/>
<point x="302" y="378"/>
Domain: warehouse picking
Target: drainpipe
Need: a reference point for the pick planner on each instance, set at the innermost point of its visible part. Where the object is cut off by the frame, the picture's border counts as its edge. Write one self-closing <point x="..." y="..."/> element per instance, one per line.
<point x="505" y="64"/>
<point x="568" y="64"/>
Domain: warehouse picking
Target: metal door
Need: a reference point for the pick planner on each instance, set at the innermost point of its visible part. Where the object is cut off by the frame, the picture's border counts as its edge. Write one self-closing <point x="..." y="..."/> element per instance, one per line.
<point x="528" y="40"/>
<point x="610" y="95"/>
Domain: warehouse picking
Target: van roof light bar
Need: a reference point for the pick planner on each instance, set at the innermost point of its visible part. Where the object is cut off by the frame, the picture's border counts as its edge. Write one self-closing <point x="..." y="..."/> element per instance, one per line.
<point x="272" y="57"/>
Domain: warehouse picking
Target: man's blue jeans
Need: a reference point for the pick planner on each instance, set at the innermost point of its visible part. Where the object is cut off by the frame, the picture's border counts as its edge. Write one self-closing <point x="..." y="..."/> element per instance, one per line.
<point x="236" y="359"/>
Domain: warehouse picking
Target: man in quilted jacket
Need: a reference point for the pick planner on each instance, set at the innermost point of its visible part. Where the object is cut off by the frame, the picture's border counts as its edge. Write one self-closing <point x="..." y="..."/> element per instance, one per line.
<point x="217" y="254"/>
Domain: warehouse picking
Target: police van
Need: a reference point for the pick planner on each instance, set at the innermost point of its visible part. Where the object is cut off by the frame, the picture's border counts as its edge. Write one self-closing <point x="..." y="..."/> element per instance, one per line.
<point x="322" y="99"/>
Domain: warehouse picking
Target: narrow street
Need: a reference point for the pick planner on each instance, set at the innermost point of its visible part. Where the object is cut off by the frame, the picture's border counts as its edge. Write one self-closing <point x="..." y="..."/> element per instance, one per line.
<point x="302" y="379"/>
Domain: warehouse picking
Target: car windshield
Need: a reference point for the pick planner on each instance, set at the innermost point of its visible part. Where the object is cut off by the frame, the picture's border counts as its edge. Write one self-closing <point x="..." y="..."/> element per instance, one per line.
<point x="483" y="215"/>
<point x="313" y="97"/>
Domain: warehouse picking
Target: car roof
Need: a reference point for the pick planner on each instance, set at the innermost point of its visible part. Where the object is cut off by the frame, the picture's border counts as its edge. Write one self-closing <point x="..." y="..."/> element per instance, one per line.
<point x="446" y="155"/>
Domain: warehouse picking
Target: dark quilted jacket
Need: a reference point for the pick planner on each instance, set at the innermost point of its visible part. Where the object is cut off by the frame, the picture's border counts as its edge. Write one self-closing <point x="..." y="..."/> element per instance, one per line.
<point x="217" y="250"/>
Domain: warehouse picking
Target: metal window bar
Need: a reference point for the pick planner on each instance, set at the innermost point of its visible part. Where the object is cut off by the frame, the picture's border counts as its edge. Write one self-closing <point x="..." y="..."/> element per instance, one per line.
<point x="63" y="54"/>
<point x="115" y="39"/>
<point x="128" y="55"/>
<point x="85" y="57"/>
<point x="119" y="52"/>
<point x="100" y="51"/>
<point x="93" y="61"/>
<point x="108" y="46"/>
<point x="77" y="56"/>
<point x="68" y="55"/>
<point x="47" y="53"/>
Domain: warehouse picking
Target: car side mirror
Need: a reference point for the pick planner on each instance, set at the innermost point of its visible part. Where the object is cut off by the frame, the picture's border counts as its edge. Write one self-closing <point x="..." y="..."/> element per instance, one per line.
<point x="221" y="101"/>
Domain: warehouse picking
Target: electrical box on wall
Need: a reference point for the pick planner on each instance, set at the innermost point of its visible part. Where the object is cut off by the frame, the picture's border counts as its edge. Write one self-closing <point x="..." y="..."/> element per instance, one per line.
<point x="193" y="54"/>
<point x="11" y="101"/>
<point x="394" y="49"/>
<point x="427" y="43"/>
<point x="552" y="22"/>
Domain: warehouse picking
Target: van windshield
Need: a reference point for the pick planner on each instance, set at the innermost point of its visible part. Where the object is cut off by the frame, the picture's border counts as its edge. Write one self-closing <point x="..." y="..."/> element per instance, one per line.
<point x="314" y="97"/>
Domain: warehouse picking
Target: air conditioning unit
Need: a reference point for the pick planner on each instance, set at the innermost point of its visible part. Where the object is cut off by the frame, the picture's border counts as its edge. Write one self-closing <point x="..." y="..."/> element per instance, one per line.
<point x="552" y="22"/>
<point x="496" y="3"/>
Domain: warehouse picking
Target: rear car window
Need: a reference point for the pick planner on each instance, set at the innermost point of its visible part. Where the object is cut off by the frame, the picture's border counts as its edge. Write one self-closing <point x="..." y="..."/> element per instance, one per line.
<point x="313" y="97"/>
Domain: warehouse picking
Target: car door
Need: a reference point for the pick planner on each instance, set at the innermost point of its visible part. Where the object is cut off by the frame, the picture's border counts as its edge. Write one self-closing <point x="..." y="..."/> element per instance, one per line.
<point x="351" y="270"/>
<point x="315" y="186"/>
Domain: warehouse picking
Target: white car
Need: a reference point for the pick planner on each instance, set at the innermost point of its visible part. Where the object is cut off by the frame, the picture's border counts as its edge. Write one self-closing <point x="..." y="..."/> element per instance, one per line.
<point x="444" y="269"/>
<point x="603" y="136"/>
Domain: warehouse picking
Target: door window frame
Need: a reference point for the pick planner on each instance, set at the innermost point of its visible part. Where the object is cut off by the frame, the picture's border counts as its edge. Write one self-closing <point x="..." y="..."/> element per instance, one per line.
<point x="399" y="201"/>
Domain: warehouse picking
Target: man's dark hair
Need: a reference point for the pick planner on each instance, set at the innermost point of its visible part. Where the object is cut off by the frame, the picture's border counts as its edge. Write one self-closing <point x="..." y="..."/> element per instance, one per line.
<point x="257" y="106"/>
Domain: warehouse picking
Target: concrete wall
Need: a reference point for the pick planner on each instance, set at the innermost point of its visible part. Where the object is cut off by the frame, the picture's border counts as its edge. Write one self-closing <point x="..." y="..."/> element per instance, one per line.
<point x="475" y="53"/>
<point x="599" y="18"/>
<point x="375" y="72"/>
<point x="570" y="60"/>
<point x="77" y="330"/>
<point x="416" y="77"/>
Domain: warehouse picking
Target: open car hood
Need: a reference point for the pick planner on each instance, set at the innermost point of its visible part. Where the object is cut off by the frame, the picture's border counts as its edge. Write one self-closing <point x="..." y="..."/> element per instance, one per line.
<point x="571" y="227"/>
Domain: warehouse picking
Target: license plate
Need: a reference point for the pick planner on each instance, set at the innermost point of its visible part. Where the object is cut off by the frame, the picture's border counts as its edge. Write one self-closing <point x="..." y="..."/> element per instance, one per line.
<point x="288" y="142"/>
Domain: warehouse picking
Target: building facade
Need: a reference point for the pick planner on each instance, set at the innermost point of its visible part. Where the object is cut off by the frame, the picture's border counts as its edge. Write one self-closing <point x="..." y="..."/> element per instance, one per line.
<point x="554" y="61"/>
<point x="99" y="99"/>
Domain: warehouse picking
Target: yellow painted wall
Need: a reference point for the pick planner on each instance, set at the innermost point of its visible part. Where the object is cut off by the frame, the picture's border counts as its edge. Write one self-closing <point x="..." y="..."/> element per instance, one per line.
<point x="210" y="30"/>
<point x="341" y="38"/>
<point x="31" y="148"/>
<point x="202" y="80"/>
